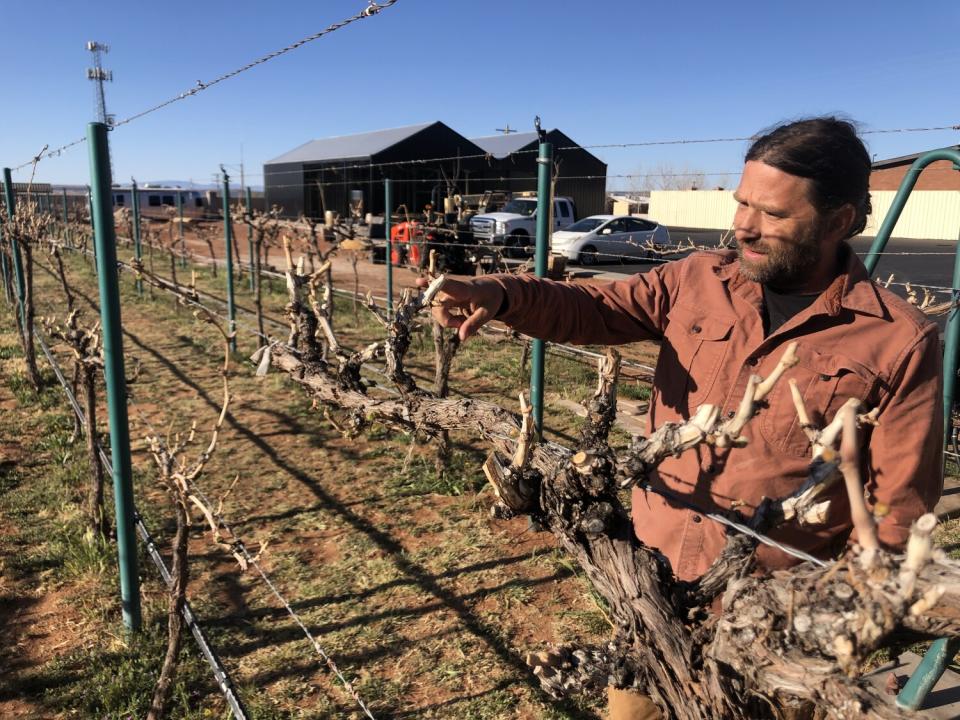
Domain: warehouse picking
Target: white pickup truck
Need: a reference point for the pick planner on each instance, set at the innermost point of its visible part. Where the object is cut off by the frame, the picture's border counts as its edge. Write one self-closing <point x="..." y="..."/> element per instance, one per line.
<point x="515" y="227"/>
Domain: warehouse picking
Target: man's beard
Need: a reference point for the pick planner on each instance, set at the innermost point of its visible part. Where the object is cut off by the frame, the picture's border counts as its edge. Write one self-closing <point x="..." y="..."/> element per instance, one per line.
<point x="787" y="265"/>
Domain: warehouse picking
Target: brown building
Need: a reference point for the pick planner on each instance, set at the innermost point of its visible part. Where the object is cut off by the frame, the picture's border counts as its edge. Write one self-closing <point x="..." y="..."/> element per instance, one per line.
<point x="939" y="175"/>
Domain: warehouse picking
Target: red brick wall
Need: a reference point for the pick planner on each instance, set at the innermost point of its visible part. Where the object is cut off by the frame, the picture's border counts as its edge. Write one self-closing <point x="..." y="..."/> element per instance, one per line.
<point x="939" y="175"/>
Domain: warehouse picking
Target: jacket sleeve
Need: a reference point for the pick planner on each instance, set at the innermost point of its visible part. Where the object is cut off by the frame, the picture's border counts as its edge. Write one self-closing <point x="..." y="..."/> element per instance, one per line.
<point x="905" y="457"/>
<point x="611" y="314"/>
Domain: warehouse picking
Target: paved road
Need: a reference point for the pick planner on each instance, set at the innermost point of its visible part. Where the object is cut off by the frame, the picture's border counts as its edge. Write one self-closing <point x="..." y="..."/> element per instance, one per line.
<point x="933" y="265"/>
<point x="927" y="262"/>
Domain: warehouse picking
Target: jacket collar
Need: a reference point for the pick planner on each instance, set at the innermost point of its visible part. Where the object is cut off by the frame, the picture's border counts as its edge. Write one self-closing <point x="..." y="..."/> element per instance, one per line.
<point x="851" y="289"/>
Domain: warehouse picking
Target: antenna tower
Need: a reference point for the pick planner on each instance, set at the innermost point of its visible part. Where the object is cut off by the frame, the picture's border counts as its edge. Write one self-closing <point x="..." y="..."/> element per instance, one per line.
<point x="99" y="76"/>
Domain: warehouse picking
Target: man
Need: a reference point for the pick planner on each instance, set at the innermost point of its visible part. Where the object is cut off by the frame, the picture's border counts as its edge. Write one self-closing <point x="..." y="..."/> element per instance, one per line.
<point x="724" y="316"/>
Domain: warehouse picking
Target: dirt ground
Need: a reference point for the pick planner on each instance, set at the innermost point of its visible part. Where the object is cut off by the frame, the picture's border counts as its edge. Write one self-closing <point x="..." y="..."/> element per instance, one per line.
<point x="424" y="601"/>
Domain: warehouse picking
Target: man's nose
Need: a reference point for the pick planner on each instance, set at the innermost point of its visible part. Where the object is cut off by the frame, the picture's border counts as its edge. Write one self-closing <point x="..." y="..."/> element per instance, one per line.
<point x="746" y="222"/>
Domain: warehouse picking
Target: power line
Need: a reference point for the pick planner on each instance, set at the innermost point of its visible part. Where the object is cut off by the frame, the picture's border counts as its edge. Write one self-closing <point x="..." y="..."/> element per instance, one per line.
<point x="486" y="155"/>
<point x="372" y="9"/>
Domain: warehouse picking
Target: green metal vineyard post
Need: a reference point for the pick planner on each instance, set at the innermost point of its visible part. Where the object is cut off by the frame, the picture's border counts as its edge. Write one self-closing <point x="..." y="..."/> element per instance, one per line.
<point x="6" y="273"/>
<point x="228" y="241"/>
<point x="952" y="341"/>
<point x="8" y="201"/>
<point x="106" y="243"/>
<point x="941" y="651"/>
<point x="6" y="287"/>
<point x="66" y="217"/>
<point x="7" y="290"/>
<point x="387" y="217"/>
<point x="137" y="241"/>
<point x="14" y="245"/>
<point x="544" y="202"/>
<point x="248" y="198"/>
<point x="183" y="258"/>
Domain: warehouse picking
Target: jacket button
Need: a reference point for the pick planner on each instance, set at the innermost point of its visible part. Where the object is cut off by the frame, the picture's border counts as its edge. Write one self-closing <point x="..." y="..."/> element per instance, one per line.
<point x="697" y="518"/>
<point x="824" y="377"/>
<point x="695" y="329"/>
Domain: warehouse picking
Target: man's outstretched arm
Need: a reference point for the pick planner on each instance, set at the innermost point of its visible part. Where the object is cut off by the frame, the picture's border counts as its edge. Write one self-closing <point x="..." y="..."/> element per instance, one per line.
<point x="609" y="314"/>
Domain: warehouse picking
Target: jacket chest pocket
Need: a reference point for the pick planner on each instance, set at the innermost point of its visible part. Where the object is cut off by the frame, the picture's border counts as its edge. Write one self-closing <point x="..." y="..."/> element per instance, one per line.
<point x="826" y="382"/>
<point x="696" y="344"/>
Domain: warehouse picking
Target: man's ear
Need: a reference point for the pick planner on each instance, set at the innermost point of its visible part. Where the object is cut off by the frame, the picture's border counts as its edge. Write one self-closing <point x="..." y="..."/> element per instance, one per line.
<point x="841" y="220"/>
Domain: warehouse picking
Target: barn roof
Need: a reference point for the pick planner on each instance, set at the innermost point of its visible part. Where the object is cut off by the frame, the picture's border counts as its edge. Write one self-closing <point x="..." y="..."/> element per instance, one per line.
<point x="500" y="146"/>
<point x="904" y="159"/>
<point x="349" y="147"/>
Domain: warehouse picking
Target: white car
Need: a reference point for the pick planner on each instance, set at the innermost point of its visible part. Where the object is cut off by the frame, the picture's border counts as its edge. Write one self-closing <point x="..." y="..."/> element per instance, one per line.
<point x="602" y="238"/>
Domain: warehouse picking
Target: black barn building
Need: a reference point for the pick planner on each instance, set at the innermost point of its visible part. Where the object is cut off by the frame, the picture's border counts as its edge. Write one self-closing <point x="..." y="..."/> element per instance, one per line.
<point x="424" y="162"/>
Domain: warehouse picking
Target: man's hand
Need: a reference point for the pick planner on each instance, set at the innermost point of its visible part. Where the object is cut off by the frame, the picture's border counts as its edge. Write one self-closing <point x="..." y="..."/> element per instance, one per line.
<point x="465" y="305"/>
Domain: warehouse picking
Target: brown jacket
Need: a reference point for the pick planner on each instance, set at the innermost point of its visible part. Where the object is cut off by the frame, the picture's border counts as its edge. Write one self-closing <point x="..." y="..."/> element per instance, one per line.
<point x="856" y="340"/>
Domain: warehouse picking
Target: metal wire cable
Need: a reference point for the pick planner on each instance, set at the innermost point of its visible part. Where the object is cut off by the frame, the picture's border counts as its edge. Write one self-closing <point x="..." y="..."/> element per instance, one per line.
<point x="239" y="546"/>
<point x="486" y="155"/>
<point x="739" y="527"/>
<point x="799" y="554"/>
<point x="720" y="519"/>
<point x="597" y="146"/>
<point x="372" y="9"/>
<point x="220" y="674"/>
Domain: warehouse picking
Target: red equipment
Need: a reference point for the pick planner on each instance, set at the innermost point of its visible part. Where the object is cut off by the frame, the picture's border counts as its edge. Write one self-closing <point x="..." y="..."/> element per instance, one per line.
<point x="407" y="239"/>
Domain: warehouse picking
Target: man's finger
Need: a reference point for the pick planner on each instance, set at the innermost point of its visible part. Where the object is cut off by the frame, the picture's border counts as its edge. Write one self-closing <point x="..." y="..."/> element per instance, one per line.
<point x="472" y="324"/>
<point x="441" y="313"/>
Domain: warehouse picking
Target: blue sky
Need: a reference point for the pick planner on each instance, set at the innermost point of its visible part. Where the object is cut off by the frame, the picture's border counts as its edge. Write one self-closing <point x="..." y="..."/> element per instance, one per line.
<point x="603" y="72"/>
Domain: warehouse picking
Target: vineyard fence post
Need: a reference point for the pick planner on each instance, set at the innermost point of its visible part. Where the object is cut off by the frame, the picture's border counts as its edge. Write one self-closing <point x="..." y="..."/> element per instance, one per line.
<point x="228" y="241"/>
<point x="105" y="240"/>
<point x="544" y="218"/>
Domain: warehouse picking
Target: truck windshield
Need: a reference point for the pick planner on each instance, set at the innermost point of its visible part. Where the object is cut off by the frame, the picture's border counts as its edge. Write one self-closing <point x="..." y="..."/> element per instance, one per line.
<point x="521" y="207"/>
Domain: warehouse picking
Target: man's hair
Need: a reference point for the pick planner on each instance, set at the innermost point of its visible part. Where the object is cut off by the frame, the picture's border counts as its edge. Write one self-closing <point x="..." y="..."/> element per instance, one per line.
<point x="827" y="151"/>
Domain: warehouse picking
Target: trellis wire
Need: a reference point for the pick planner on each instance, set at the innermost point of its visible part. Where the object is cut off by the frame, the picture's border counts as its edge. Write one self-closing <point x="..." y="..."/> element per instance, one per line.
<point x="222" y="677"/>
<point x="646" y="486"/>
<point x="740" y="527"/>
<point x="597" y="146"/>
<point x="220" y="674"/>
<point x="485" y="155"/>
<point x="239" y="546"/>
<point x="556" y="348"/>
